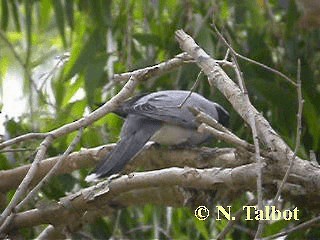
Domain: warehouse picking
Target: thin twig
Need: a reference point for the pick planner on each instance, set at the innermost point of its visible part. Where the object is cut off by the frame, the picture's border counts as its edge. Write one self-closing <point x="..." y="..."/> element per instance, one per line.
<point x="202" y="117"/>
<point x="112" y="103"/>
<point x="17" y="150"/>
<point x="24" y="185"/>
<point x="50" y="232"/>
<point x="52" y="171"/>
<point x="301" y="226"/>
<point x="212" y="126"/>
<point x="44" y="181"/>
<point x="234" y="220"/>
<point x="270" y="13"/>
<point x="313" y="158"/>
<point x="163" y="67"/>
<point x="298" y="134"/>
<point x="194" y="86"/>
<point x="134" y="77"/>
<point x="255" y="62"/>
<point x="252" y="122"/>
<point x="22" y="138"/>
<point x="239" y="143"/>
<point x="227" y="55"/>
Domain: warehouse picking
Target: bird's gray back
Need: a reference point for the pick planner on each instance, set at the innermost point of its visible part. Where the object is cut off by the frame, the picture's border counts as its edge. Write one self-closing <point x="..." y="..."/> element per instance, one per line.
<point x="166" y="106"/>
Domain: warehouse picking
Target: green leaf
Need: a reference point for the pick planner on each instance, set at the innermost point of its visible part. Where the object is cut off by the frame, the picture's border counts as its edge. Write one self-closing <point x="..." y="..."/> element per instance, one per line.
<point x="82" y="55"/>
<point x="59" y="13"/>
<point x="93" y="75"/>
<point x="59" y="91"/>
<point x="45" y="8"/>
<point x="113" y="123"/>
<point x="4" y="164"/>
<point x="225" y="11"/>
<point x="72" y="87"/>
<point x="91" y="137"/>
<point x="70" y="12"/>
<point x="77" y="108"/>
<point x="4" y="15"/>
<point x="312" y="117"/>
<point x="59" y="185"/>
<point x="147" y="38"/>
<point x="16" y="17"/>
<point x="275" y="227"/>
<point x="201" y="227"/>
<point x="4" y="65"/>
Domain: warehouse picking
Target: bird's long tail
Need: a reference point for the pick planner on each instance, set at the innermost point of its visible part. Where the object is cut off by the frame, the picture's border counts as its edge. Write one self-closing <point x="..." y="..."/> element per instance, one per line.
<point x="137" y="132"/>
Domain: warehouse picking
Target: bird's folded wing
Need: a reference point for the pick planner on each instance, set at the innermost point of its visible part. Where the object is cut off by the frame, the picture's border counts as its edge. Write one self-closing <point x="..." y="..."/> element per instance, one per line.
<point x="169" y="107"/>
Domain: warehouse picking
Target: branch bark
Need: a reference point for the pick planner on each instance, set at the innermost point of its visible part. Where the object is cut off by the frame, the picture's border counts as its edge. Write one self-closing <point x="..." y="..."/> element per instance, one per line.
<point x="219" y="79"/>
<point x="149" y="158"/>
<point x="157" y="187"/>
<point x="163" y="187"/>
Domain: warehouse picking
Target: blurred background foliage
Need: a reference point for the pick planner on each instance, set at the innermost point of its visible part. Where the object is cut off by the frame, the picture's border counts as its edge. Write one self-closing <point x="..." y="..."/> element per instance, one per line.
<point x="60" y="55"/>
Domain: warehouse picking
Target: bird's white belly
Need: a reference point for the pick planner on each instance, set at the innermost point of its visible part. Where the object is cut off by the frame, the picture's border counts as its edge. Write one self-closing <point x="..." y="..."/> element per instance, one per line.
<point x="172" y="135"/>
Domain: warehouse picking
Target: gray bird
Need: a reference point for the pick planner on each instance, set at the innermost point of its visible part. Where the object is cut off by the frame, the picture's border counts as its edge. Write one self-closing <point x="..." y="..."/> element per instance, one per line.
<point x="157" y="117"/>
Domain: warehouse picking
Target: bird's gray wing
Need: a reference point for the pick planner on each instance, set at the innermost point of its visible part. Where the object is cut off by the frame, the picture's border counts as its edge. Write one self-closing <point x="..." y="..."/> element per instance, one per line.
<point x="165" y="106"/>
<point x="136" y="131"/>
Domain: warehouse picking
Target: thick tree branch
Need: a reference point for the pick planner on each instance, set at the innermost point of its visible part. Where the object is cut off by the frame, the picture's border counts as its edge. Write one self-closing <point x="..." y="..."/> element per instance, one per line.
<point x="219" y="79"/>
<point x="109" y="106"/>
<point x="163" y="187"/>
<point x="115" y="193"/>
<point x="149" y="158"/>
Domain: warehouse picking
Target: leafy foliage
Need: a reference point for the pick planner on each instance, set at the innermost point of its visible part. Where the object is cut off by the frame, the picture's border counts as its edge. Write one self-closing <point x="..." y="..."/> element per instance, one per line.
<point x="106" y="37"/>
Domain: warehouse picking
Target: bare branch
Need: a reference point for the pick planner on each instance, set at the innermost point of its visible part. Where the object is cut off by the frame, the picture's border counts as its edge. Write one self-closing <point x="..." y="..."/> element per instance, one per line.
<point x="156" y="70"/>
<point x="226" y="137"/>
<point x="231" y="223"/>
<point x="313" y="157"/>
<point x="24" y="185"/>
<point x="255" y="62"/>
<point x="50" y="233"/>
<point x="17" y="150"/>
<point x="215" y="75"/>
<point x="218" y="78"/>
<point x="149" y="158"/>
<point x="253" y="126"/>
<point x="220" y="132"/>
<point x="298" y="134"/>
<point x="194" y="86"/>
<point x="301" y="226"/>
<point x="119" y="192"/>
<point x="132" y="77"/>
<point x="157" y="187"/>
<point x="28" y="136"/>
<point x="52" y="171"/>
